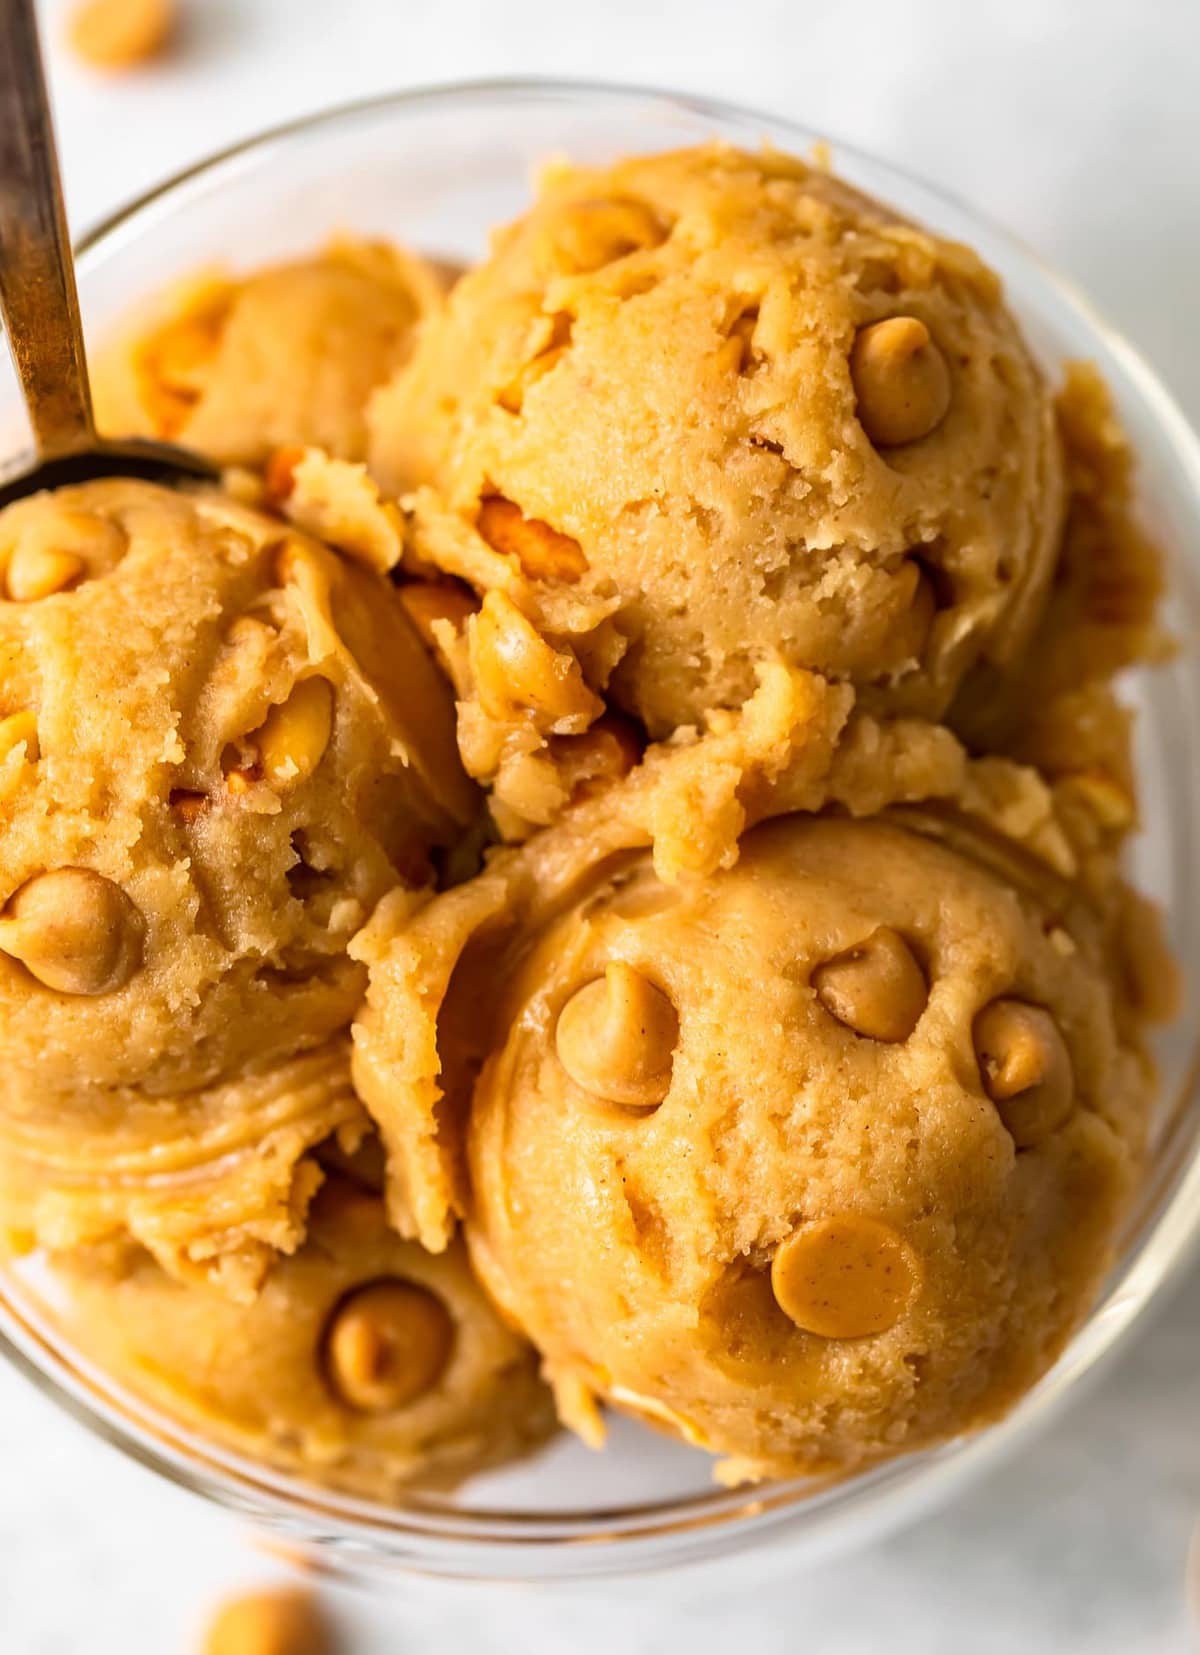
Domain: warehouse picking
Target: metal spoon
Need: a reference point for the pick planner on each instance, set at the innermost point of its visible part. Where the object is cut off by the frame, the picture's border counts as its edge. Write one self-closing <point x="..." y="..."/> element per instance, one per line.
<point x="38" y="297"/>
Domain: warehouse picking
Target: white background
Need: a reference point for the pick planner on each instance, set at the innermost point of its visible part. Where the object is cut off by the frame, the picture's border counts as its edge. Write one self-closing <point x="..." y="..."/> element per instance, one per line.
<point x="1076" y="123"/>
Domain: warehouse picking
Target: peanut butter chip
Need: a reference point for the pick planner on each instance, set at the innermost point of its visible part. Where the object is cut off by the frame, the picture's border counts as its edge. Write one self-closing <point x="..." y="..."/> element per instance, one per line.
<point x="116" y="34"/>
<point x="616" y="1038"/>
<point x="877" y="989"/>
<point x="38" y="572"/>
<point x="1026" y="1069"/>
<point x="844" y="1278"/>
<point x="20" y="729"/>
<point x="387" y="1345"/>
<point x="75" y="931"/>
<point x="900" y="379"/>
<point x="283" y="1622"/>
<point x="292" y="739"/>
<point x="542" y="552"/>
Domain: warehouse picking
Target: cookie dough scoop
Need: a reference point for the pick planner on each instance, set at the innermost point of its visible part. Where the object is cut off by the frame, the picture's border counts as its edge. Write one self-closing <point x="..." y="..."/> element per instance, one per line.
<point x="811" y="1162"/>
<point x="221" y="743"/>
<point x="703" y="410"/>
<point x="364" y="1363"/>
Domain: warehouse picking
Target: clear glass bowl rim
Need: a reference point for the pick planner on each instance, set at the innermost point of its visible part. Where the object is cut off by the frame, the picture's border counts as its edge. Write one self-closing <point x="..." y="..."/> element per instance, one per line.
<point x="813" y="1518"/>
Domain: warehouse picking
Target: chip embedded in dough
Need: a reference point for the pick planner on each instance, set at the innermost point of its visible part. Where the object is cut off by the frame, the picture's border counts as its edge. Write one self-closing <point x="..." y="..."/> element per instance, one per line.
<point x="442" y="1387"/>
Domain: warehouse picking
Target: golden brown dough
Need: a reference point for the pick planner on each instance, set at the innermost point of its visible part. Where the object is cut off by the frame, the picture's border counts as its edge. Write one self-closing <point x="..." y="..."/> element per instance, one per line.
<point x="241" y="365"/>
<point x="895" y="1052"/>
<point x="364" y="1363"/>
<point x="725" y="407"/>
<point x="786" y="1067"/>
<point x="222" y="744"/>
<point x="213" y="1182"/>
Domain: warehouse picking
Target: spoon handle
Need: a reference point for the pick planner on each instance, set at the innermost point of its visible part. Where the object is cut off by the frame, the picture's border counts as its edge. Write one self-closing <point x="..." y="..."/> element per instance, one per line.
<point x="37" y="276"/>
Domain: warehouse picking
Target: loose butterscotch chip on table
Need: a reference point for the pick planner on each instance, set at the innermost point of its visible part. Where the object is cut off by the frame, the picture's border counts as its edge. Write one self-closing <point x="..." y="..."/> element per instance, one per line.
<point x="286" y="1620"/>
<point x="119" y="34"/>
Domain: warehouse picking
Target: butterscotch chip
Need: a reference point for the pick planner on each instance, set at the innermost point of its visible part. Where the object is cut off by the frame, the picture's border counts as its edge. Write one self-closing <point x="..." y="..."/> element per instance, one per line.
<point x="74" y="931"/>
<point x="117" y="34"/>
<point x="292" y="740"/>
<point x="543" y="553"/>
<point x="615" y="1037"/>
<point x="38" y="572"/>
<point x="388" y="1345"/>
<point x="877" y="988"/>
<point x="284" y="1621"/>
<point x="16" y="729"/>
<point x="1026" y="1069"/>
<point x="844" y="1278"/>
<point x="900" y="380"/>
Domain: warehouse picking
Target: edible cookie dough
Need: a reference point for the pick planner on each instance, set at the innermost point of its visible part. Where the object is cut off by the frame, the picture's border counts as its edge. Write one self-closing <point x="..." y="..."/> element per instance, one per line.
<point x="239" y="366"/>
<point x="735" y="410"/>
<point x="815" y="1160"/>
<point x="364" y="1363"/>
<point x="221" y="744"/>
<point x="782" y="1074"/>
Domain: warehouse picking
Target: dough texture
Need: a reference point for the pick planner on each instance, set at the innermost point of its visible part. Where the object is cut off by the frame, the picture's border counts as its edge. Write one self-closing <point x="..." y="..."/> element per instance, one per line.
<point x="440" y="1386"/>
<point x="223" y="743"/>
<point x="693" y="392"/>
<point x="760" y="1159"/>
<point x="761" y="1048"/>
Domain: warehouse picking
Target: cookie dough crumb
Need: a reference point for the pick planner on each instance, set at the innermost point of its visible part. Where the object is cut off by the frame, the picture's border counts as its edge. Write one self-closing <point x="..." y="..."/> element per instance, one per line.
<point x="276" y="1621"/>
<point x="120" y="34"/>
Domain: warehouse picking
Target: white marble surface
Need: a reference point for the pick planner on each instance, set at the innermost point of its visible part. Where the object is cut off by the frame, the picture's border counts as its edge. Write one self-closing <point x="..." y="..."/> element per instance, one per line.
<point x="1077" y="125"/>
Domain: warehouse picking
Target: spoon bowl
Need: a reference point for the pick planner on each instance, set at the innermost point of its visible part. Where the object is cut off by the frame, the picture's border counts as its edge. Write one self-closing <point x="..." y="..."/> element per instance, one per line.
<point x="136" y="457"/>
<point x="39" y="301"/>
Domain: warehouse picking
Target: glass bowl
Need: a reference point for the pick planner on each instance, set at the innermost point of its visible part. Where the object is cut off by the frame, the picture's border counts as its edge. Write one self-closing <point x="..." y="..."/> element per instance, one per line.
<point x="435" y="169"/>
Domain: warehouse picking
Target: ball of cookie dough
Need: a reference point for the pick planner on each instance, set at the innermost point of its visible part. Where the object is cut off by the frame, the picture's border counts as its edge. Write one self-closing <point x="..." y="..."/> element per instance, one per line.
<point x="289" y="354"/>
<point x="220" y="744"/>
<point x="814" y="1161"/>
<point x="364" y="1363"/>
<point x="762" y="410"/>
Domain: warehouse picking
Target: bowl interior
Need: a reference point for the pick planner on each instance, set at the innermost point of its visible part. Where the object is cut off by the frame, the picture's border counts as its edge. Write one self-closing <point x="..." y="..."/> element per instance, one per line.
<point x="436" y="170"/>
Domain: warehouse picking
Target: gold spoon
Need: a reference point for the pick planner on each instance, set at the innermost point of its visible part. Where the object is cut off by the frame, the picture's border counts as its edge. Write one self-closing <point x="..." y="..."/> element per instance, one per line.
<point x="38" y="297"/>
